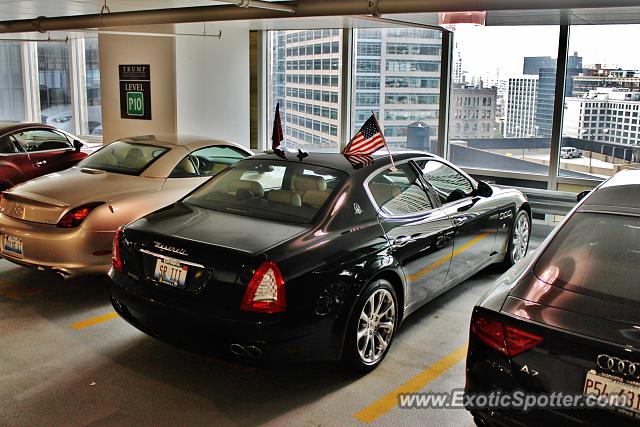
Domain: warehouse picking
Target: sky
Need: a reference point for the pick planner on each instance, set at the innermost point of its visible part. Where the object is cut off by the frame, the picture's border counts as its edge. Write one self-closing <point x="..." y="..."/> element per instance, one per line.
<point x="485" y="49"/>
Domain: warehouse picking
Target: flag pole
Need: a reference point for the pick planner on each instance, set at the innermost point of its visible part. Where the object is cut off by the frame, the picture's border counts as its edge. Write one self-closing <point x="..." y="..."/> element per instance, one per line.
<point x="393" y="164"/>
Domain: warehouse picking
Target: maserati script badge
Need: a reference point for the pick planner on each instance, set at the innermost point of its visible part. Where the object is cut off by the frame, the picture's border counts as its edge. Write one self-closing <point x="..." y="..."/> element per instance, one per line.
<point x="170" y="248"/>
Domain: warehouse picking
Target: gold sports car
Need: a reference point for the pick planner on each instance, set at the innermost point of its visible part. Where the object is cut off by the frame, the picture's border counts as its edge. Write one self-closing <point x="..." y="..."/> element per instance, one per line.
<point x="65" y="221"/>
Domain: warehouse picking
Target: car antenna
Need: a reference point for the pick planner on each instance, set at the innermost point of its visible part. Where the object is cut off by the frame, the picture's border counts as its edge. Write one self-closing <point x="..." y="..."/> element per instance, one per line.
<point x="302" y="154"/>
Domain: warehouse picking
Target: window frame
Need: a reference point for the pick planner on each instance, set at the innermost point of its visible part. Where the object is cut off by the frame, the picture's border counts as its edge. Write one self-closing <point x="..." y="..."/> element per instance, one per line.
<point x="30" y="129"/>
<point x="472" y="182"/>
<point x="420" y="180"/>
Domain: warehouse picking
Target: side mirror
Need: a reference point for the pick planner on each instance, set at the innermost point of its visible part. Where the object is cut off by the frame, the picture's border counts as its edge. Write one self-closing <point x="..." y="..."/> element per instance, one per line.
<point x="77" y="145"/>
<point x="582" y="195"/>
<point x="484" y="189"/>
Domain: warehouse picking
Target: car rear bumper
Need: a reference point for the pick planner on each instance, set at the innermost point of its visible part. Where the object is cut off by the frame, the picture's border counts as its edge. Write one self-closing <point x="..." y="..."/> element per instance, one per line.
<point x="205" y="331"/>
<point x="499" y="417"/>
<point x="72" y="252"/>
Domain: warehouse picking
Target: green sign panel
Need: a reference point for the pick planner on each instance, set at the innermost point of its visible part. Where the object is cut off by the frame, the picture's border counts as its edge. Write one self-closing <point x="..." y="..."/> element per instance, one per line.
<point x="135" y="103"/>
<point x="135" y="91"/>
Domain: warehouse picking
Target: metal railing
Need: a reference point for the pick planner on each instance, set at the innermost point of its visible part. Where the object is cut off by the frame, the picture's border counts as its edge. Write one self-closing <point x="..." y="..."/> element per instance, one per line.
<point x="549" y="202"/>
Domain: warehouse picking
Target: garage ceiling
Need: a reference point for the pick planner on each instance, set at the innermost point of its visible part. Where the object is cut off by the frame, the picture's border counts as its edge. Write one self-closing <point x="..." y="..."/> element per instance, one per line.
<point x="30" y="9"/>
<point x="27" y="9"/>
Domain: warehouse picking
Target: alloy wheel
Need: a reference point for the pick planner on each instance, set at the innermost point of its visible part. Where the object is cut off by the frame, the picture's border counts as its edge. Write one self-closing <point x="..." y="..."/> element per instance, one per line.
<point x="520" y="238"/>
<point x="376" y="326"/>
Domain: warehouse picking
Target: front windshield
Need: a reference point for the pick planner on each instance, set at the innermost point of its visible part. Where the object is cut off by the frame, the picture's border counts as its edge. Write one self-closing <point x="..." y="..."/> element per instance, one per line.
<point x="123" y="157"/>
<point x="268" y="189"/>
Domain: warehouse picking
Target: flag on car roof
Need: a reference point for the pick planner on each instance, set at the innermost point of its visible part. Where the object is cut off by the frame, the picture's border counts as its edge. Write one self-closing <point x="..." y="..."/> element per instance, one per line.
<point x="367" y="141"/>
<point x="277" y="136"/>
<point x="359" y="160"/>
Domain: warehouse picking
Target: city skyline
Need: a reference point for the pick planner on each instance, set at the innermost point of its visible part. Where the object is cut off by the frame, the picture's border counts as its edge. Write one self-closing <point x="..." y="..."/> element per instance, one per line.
<point x="484" y="50"/>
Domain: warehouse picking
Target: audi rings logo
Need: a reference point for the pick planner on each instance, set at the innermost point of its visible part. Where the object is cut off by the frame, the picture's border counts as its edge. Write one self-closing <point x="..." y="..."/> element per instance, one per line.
<point x="618" y="366"/>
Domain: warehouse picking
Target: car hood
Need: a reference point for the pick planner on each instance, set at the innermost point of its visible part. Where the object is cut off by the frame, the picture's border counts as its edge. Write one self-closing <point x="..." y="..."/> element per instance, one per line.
<point x="45" y="199"/>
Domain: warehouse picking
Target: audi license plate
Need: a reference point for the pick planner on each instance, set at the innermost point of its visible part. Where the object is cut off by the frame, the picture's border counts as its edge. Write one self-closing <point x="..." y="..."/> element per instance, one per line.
<point x="12" y="245"/>
<point x="607" y="385"/>
<point x="171" y="272"/>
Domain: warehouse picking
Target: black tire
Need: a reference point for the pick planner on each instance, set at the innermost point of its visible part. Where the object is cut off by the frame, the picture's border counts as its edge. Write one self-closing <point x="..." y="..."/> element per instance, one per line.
<point x="511" y="257"/>
<point x="377" y="330"/>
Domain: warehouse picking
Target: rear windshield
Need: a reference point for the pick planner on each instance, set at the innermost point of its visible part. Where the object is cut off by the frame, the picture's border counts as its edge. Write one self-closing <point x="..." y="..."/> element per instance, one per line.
<point x="595" y="254"/>
<point x="124" y="157"/>
<point x="281" y="191"/>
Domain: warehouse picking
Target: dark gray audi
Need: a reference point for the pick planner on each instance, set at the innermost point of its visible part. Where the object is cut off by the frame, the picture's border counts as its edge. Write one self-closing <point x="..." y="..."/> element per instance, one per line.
<point x="567" y="319"/>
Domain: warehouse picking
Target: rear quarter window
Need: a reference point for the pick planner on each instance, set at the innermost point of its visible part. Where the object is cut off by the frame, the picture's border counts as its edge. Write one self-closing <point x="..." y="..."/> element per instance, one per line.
<point x="595" y="254"/>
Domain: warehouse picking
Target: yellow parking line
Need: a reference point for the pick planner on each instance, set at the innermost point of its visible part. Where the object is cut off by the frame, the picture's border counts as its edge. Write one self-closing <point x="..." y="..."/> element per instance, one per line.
<point x="95" y="320"/>
<point x="390" y="401"/>
<point x="447" y="258"/>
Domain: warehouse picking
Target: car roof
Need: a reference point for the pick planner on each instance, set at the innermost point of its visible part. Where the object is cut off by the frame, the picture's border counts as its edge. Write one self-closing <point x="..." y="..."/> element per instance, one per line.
<point x="189" y="142"/>
<point x="339" y="162"/>
<point x="620" y="194"/>
<point x="10" y="126"/>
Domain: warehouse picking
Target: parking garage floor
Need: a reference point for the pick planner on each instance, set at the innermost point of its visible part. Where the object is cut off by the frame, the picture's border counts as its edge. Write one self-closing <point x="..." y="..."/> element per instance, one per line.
<point x="67" y="359"/>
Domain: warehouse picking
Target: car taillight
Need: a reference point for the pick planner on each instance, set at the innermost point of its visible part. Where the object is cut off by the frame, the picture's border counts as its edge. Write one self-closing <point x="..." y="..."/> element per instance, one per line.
<point x="519" y="341"/>
<point x="265" y="292"/>
<point x="506" y="339"/>
<point x="75" y="216"/>
<point x="116" y="260"/>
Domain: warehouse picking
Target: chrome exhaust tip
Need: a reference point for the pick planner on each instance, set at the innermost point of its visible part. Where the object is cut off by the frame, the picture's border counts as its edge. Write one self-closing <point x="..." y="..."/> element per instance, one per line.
<point x="60" y="275"/>
<point x="254" y="352"/>
<point x="237" y="349"/>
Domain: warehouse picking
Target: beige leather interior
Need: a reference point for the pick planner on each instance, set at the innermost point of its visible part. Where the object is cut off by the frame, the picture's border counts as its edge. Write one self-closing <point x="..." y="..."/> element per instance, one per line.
<point x="382" y="193"/>
<point x="282" y="196"/>
<point x="186" y="166"/>
<point x="302" y="183"/>
<point x="314" y="198"/>
<point x="135" y="158"/>
<point x="312" y="189"/>
<point x="252" y="186"/>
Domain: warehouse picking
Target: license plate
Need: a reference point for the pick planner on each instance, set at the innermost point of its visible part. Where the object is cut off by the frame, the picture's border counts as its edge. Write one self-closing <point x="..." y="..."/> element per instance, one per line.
<point x="12" y="245"/>
<point x="607" y="385"/>
<point x="171" y="272"/>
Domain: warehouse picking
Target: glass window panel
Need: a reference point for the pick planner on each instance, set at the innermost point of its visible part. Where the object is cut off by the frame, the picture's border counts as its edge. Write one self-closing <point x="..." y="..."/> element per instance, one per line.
<point x="600" y="135"/>
<point x="53" y="78"/>
<point x="320" y="50"/>
<point x="11" y="83"/>
<point x="41" y="140"/>
<point x="92" y="81"/>
<point x="501" y="109"/>
<point x="387" y="62"/>
<point x="398" y="192"/>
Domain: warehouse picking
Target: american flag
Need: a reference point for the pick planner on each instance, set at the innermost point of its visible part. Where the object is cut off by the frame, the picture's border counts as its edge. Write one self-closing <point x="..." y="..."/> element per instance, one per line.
<point x="368" y="140"/>
<point x="359" y="160"/>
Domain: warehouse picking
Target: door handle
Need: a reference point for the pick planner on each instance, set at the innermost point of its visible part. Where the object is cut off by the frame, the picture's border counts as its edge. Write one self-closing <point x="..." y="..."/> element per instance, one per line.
<point x="460" y="220"/>
<point x="401" y="240"/>
<point x="41" y="163"/>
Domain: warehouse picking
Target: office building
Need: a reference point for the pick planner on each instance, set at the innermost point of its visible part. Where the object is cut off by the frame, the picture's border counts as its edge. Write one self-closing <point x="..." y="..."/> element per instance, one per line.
<point x="604" y="115"/>
<point x="473" y="112"/>
<point x="522" y="94"/>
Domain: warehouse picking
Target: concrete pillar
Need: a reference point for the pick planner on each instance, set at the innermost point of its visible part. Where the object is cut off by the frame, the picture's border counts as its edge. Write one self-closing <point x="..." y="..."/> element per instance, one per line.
<point x="159" y="53"/>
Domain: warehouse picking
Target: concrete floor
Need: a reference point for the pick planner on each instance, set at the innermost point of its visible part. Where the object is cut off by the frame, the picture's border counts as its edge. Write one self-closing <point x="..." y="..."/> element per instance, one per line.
<point x="65" y="359"/>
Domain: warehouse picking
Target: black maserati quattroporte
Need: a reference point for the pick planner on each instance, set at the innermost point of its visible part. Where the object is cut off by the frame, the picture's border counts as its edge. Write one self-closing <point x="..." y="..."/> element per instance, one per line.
<point x="312" y="259"/>
<point x="565" y="321"/>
